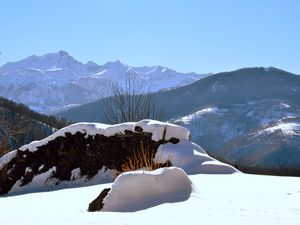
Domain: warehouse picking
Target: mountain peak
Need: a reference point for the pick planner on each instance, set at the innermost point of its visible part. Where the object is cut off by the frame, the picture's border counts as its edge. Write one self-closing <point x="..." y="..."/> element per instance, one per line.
<point x="91" y="63"/>
<point x="63" y="53"/>
<point x="116" y="62"/>
<point x="59" y="54"/>
<point x="115" y="65"/>
<point x="92" y="66"/>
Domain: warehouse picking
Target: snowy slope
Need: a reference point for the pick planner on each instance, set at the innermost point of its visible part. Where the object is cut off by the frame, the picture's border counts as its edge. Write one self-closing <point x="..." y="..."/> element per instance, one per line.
<point x="255" y="134"/>
<point x="218" y="199"/>
<point x="53" y="81"/>
<point x="274" y="148"/>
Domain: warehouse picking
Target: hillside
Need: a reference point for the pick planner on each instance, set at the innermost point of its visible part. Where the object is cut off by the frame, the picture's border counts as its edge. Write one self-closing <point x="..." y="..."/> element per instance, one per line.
<point x="244" y="85"/>
<point x="20" y="125"/>
<point x="223" y="108"/>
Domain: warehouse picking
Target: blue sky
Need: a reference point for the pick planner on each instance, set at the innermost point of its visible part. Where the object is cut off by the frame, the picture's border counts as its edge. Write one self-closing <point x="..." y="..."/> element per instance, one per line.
<point x="201" y="36"/>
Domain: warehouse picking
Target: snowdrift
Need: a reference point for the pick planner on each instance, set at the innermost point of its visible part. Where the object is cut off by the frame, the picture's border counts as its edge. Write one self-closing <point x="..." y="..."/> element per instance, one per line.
<point x="133" y="191"/>
<point x="192" y="158"/>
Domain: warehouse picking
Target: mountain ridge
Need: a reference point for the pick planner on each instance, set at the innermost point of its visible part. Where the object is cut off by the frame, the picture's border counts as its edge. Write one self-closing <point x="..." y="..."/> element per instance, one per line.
<point x="53" y="81"/>
<point x="188" y="100"/>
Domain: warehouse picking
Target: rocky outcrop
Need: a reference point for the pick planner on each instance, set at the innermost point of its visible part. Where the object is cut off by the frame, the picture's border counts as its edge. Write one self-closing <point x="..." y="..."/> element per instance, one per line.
<point x="89" y="153"/>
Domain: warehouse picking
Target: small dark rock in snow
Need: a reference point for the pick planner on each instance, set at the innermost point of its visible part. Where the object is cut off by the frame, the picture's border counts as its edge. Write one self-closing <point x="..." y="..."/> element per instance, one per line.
<point x="138" y="129"/>
<point x="174" y="140"/>
<point x="97" y="204"/>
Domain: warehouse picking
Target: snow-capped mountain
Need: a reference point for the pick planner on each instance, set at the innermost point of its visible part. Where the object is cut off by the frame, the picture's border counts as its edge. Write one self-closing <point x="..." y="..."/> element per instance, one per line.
<point x="53" y="81"/>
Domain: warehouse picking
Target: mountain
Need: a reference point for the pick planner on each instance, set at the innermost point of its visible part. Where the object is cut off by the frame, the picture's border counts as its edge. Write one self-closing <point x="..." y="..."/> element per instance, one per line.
<point x="256" y="137"/>
<point x="236" y="87"/>
<point x="56" y="81"/>
<point x="274" y="148"/>
<point x="228" y="112"/>
<point x="19" y="125"/>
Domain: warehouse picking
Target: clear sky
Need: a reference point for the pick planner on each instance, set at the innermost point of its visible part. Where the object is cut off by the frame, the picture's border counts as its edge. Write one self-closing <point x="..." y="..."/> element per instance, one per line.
<point x="187" y="35"/>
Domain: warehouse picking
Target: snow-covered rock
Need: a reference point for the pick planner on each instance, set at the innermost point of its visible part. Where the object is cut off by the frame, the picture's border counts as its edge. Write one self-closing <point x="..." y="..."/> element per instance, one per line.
<point x="133" y="191"/>
<point x="156" y="128"/>
<point x="85" y="153"/>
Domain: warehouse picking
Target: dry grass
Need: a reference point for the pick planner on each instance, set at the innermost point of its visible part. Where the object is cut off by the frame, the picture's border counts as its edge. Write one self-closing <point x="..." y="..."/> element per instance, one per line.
<point x="143" y="158"/>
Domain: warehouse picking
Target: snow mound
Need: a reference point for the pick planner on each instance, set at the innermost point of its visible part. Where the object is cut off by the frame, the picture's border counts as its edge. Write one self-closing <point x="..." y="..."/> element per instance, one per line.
<point x="157" y="129"/>
<point x="192" y="158"/>
<point x="133" y="191"/>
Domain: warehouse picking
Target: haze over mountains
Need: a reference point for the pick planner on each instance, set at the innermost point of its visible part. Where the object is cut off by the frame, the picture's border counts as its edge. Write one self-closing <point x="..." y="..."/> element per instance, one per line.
<point x="55" y="81"/>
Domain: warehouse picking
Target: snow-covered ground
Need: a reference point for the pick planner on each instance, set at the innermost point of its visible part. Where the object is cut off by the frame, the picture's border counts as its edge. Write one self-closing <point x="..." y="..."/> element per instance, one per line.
<point x="218" y="199"/>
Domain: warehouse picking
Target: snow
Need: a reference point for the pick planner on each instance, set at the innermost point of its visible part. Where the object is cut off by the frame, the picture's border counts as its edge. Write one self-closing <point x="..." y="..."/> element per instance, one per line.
<point x="41" y="167"/>
<point x="45" y="181"/>
<point x="6" y="158"/>
<point x="285" y="105"/>
<point x="133" y="191"/>
<point x="53" y="69"/>
<point x="34" y="185"/>
<point x="192" y="158"/>
<point x="75" y="174"/>
<point x="220" y="199"/>
<point x="187" y="119"/>
<point x="217" y="87"/>
<point x="155" y="127"/>
<point x="101" y="72"/>
<point x="285" y="128"/>
<point x="28" y="170"/>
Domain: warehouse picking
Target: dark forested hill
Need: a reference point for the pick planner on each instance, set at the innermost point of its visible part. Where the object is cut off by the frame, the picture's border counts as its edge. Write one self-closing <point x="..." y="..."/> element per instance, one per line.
<point x="20" y="125"/>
